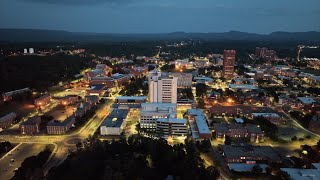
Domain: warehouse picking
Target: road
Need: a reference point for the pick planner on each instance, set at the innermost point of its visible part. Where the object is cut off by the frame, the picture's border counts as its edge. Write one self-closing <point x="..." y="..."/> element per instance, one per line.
<point x="63" y="143"/>
<point x="299" y="125"/>
<point x="25" y="150"/>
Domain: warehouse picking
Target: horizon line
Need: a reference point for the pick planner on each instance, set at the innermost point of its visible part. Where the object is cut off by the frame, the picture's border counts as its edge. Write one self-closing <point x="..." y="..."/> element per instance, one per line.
<point x="156" y="32"/>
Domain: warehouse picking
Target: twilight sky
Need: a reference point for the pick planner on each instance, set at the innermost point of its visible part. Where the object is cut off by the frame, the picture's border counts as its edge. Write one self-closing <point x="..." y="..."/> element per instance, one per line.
<point x="153" y="16"/>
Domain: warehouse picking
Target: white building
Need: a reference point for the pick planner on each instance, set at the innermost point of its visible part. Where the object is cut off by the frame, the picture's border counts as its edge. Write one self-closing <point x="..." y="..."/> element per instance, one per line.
<point x="172" y="127"/>
<point x="184" y="79"/>
<point x="198" y="124"/>
<point x="203" y="79"/>
<point x="150" y="112"/>
<point x="31" y="50"/>
<point x="162" y="89"/>
<point x="114" y="122"/>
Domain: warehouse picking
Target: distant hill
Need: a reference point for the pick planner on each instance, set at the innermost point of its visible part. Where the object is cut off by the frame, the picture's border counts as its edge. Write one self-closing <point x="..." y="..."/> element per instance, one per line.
<point x="35" y="35"/>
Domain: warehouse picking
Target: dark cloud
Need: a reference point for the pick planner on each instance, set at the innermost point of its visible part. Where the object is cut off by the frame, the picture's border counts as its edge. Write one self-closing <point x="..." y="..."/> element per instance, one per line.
<point x="79" y="2"/>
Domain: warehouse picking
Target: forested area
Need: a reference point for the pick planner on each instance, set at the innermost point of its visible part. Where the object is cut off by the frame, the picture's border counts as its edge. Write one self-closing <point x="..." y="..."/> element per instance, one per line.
<point x="136" y="158"/>
<point x="38" y="72"/>
<point x="32" y="167"/>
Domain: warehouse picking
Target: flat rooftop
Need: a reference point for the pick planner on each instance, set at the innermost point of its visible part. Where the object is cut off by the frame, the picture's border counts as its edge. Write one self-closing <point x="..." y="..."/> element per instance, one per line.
<point x="32" y="121"/>
<point x="133" y="106"/>
<point x="118" y="76"/>
<point x="172" y="120"/>
<point x="275" y="115"/>
<point x="267" y="152"/>
<point x="200" y="120"/>
<point x="202" y="78"/>
<point x="242" y="86"/>
<point x="115" y="118"/>
<point x="97" y="87"/>
<point x="306" y="100"/>
<point x="225" y="127"/>
<point x="8" y="116"/>
<point x="159" y="104"/>
<point x="61" y="123"/>
<point x="302" y="174"/>
<point x="92" y="97"/>
<point x="131" y="97"/>
<point x="241" y="167"/>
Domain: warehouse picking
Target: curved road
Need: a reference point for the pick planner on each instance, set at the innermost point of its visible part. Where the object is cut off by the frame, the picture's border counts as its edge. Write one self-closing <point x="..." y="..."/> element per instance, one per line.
<point x="62" y="142"/>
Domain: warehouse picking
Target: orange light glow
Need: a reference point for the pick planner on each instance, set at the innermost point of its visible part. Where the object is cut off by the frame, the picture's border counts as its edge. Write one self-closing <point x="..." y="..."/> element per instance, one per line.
<point x="229" y="100"/>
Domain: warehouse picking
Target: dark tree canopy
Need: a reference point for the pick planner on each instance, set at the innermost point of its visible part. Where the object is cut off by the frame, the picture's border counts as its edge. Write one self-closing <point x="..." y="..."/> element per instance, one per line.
<point x="135" y="158"/>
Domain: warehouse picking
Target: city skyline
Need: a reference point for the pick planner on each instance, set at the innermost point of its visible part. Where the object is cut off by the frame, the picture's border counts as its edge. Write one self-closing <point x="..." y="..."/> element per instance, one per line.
<point x="159" y="89"/>
<point x="130" y="16"/>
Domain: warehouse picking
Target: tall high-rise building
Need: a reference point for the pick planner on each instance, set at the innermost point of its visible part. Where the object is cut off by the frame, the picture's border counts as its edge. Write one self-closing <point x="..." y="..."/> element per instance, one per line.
<point x="258" y="51"/>
<point x="31" y="50"/>
<point x="162" y="89"/>
<point x="229" y="57"/>
<point x="265" y="53"/>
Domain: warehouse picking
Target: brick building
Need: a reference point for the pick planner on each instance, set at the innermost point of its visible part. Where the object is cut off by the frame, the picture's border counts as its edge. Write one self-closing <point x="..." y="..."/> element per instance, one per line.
<point x="30" y="126"/>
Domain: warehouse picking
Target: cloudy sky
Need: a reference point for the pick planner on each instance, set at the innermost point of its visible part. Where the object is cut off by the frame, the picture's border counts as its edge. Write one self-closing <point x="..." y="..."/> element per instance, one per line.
<point x="154" y="16"/>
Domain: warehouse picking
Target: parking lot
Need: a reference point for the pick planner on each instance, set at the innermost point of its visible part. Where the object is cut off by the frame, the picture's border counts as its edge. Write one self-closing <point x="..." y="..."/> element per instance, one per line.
<point x="61" y="112"/>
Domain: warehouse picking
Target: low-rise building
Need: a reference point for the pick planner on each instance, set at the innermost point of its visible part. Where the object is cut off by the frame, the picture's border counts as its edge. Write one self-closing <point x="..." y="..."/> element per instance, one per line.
<point x="150" y="112"/>
<point x="139" y="71"/>
<point x="198" y="124"/>
<point x="130" y="99"/>
<point x="243" y="87"/>
<point x="184" y="79"/>
<point x="82" y="109"/>
<point x="91" y="99"/>
<point x="172" y="127"/>
<point x="314" y="124"/>
<point x="114" y="122"/>
<point x="121" y="79"/>
<point x="220" y="110"/>
<point x="96" y="90"/>
<point x="67" y="100"/>
<point x="7" y="96"/>
<point x="43" y="100"/>
<point x="241" y="167"/>
<point x="272" y="117"/>
<point x="105" y="80"/>
<point x="304" y="174"/>
<point x="7" y="120"/>
<point x="253" y="132"/>
<point x="305" y="102"/>
<point x="60" y="127"/>
<point x="30" y="126"/>
<point x="202" y="79"/>
<point x="250" y="154"/>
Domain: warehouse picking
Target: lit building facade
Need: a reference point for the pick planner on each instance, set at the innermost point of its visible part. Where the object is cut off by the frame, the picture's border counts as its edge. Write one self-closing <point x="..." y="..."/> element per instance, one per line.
<point x="229" y="57"/>
<point x="162" y="89"/>
<point x="151" y="112"/>
<point x="172" y="127"/>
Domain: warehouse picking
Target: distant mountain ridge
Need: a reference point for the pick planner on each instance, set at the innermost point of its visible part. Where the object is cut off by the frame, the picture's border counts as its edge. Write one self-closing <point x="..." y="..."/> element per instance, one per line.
<point x="38" y="35"/>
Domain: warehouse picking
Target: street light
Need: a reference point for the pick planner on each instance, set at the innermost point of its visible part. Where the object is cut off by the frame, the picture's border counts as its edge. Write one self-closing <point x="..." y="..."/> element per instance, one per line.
<point x="229" y="100"/>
